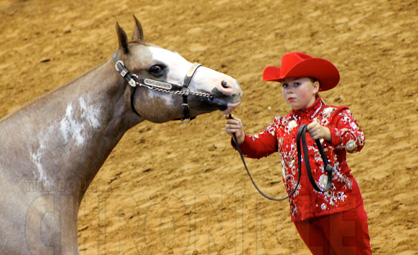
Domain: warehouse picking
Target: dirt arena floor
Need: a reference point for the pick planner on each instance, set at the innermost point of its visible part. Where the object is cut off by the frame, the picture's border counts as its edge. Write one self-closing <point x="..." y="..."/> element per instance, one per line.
<point x="181" y="189"/>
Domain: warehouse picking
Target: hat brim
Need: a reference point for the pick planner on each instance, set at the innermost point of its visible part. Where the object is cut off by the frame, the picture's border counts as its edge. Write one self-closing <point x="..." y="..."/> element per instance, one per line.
<point x="322" y="70"/>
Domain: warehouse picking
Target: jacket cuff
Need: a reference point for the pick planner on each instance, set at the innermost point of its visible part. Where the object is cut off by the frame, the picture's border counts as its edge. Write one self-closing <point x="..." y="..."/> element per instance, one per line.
<point x="243" y="144"/>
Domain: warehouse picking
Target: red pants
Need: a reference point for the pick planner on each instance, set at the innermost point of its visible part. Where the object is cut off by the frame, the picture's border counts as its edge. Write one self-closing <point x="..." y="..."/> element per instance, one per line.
<point x="344" y="233"/>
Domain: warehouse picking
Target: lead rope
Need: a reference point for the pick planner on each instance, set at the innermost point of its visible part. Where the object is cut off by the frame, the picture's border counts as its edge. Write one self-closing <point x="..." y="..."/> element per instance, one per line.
<point x="327" y="167"/>
<point x="301" y="134"/>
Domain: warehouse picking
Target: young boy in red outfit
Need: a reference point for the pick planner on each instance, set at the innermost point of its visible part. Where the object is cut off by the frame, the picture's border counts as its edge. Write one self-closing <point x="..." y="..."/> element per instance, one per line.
<point x="331" y="222"/>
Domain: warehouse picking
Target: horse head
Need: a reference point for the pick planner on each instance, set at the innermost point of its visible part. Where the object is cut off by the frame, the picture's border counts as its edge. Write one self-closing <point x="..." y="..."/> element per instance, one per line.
<point x="164" y="86"/>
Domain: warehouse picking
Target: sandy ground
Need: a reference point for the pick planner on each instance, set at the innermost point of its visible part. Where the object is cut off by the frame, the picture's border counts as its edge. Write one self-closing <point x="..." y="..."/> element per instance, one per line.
<point x="180" y="189"/>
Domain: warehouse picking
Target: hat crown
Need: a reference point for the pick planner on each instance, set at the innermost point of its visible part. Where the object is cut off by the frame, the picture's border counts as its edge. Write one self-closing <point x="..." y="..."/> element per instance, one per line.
<point x="291" y="59"/>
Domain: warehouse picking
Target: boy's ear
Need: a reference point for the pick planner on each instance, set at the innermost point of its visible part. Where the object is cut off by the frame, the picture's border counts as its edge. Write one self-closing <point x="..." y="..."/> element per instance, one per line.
<point x="316" y="87"/>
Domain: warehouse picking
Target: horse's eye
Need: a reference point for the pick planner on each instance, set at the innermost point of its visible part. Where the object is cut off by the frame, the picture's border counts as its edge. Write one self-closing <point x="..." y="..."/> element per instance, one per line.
<point x="157" y="70"/>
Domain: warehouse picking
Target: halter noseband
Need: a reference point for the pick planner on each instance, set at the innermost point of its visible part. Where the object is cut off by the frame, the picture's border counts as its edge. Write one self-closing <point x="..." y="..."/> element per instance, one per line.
<point x="134" y="81"/>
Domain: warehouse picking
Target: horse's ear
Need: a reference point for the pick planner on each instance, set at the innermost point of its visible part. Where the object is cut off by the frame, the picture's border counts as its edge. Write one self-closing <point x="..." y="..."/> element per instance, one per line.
<point x="123" y="39"/>
<point x="138" y="34"/>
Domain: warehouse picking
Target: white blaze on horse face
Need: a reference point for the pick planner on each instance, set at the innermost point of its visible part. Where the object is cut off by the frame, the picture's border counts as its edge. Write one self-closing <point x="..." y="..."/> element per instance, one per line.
<point x="177" y="65"/>
<point x="76" y="122"/>
<point x="205" y="79"/>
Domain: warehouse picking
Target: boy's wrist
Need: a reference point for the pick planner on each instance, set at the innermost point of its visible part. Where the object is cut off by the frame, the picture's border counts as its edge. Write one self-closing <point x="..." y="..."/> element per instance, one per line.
<point x="241" y="138"/>
<point x="327" y="135"/>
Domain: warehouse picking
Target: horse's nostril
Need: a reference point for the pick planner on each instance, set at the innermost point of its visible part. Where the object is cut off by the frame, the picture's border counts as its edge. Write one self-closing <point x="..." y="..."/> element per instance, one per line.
<point x="224" y="84"/>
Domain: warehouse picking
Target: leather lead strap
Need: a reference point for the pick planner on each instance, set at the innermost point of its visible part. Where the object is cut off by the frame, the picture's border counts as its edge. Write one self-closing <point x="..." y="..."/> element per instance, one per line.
<point x="327" y="168"/>
<point x="249" y="174"/>
<point x="301" y="135"/>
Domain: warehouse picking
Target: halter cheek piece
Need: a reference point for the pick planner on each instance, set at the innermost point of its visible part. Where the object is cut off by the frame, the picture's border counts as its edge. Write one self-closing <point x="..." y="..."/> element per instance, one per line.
<point x="134" y="82"/>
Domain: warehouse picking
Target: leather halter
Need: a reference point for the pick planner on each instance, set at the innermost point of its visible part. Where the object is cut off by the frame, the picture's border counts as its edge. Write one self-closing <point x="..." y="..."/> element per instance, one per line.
<point x="134" y="82"/>
<point x="300" y="135"/>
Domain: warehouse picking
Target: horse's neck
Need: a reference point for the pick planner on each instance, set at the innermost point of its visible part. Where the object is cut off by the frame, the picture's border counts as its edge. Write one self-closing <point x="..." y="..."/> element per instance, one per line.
<point x="68" y="133"/>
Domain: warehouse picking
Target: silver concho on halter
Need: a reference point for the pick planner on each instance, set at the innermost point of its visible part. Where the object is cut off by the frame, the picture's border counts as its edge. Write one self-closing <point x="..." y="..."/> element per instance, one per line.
<point x="125" y="73"/>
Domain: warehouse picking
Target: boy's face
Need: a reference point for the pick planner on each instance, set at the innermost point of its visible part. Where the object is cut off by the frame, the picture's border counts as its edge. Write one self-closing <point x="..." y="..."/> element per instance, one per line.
<point x="299" y="93"/>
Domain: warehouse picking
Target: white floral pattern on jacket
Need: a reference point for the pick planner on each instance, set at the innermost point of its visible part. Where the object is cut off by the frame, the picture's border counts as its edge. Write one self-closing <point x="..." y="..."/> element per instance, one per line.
<point x="281" y="136"/>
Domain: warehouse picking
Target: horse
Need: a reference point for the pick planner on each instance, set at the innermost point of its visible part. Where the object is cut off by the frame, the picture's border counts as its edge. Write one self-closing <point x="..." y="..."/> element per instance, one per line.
<point x="67" y="134"/>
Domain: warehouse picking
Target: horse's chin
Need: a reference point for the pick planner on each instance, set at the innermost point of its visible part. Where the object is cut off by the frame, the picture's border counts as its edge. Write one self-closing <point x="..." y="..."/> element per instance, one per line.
<point x="231" y="107"/>
<point x="206" y="105"/>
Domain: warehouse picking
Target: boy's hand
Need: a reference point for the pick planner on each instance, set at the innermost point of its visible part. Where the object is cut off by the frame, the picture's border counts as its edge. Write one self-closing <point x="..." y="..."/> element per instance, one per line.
<point x="316" y="131"/>
<point x="234" y="125"/>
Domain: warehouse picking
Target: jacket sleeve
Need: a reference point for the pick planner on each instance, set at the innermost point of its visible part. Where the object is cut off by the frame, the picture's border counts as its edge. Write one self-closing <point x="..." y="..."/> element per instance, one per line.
<point x="259" y="145"/>
<point x="345" y="132"/>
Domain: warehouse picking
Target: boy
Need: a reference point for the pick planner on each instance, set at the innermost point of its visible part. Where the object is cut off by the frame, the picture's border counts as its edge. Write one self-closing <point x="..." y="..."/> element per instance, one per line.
<point x="332" y="222"/>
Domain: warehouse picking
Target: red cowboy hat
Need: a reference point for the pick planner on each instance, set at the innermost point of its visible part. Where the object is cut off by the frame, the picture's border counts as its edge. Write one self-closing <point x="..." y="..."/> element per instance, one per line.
<point x="298" y="64"/>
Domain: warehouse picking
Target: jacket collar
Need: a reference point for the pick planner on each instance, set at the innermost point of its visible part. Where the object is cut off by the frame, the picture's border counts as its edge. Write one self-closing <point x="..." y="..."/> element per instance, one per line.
<point x="311" y="111"/>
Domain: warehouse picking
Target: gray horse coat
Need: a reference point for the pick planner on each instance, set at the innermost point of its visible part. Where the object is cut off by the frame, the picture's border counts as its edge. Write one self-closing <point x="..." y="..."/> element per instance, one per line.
<point x="65" y="137"/>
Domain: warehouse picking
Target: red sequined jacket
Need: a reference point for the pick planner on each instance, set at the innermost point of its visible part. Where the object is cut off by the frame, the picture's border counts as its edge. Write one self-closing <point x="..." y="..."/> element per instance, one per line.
<point x="280" y="136"/>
